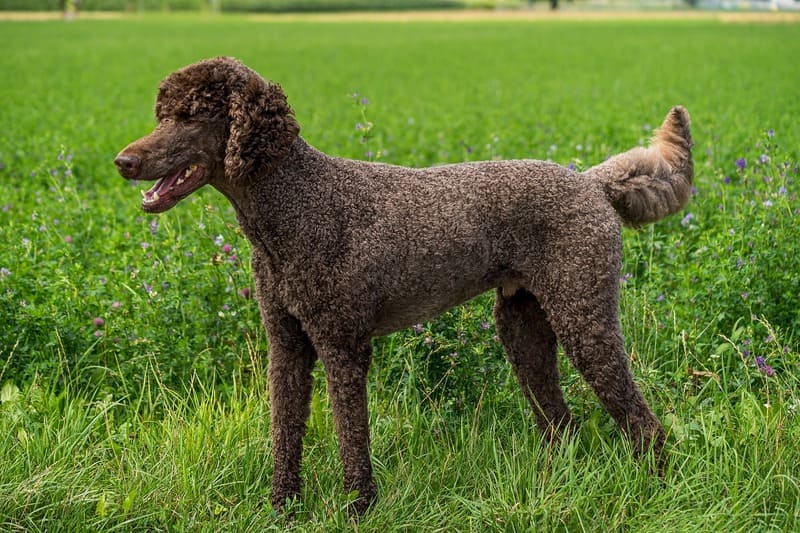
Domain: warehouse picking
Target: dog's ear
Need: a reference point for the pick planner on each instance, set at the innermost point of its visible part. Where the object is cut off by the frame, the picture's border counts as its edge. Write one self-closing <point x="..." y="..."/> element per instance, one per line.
<point x="261" y="131"/>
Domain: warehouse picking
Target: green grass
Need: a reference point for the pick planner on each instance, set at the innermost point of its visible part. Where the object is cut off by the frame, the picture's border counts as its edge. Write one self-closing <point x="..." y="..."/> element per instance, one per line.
<point x="157" y="419"/>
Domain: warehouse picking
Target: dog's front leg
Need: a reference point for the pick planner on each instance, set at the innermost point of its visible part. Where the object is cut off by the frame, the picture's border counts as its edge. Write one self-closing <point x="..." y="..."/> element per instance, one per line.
<point x="346" y="374"/>
<point x="291" y="360"/>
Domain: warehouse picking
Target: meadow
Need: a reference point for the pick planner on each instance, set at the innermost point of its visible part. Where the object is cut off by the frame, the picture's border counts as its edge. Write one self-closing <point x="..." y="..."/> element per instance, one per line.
<point x="132" y="359"/>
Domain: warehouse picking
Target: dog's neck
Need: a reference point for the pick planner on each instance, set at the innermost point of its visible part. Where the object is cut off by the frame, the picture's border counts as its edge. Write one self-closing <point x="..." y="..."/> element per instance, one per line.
<point x="269" y="207"/>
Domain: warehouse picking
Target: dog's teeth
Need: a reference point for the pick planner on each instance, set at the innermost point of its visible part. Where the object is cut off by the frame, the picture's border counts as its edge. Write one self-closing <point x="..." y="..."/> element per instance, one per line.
<point x="188" y="172"/>
<point x="180" y="180"/>
<point x="155" y="196"/>
<point x="192" y="167"/>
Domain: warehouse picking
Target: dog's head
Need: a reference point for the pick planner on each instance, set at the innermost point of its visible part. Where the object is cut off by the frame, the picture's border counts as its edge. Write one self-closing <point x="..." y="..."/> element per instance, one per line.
<point x="219" y="123"/>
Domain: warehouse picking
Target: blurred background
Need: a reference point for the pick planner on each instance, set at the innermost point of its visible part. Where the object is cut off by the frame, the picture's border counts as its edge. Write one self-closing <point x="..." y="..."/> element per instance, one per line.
<point x="69" y="7"/>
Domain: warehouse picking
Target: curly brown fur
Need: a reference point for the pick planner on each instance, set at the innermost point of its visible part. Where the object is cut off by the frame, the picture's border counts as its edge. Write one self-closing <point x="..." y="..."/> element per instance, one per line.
<point x="346" y="250"/>
<point x="647" y="184"/>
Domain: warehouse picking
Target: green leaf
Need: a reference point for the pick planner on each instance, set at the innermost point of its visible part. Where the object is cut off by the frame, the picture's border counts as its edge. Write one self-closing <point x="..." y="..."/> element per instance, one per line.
<point x="127" y="503"/>
<point x="100" y="508"/>
<point x="9" y="392"/>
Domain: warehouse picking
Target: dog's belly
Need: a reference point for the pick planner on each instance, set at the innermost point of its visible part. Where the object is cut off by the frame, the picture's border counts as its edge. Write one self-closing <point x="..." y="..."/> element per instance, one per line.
<point x="406" y="310"/>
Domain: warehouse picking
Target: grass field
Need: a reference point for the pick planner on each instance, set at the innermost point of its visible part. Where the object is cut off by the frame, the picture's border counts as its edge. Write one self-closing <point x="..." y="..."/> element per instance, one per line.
<point x="132" y="390"/>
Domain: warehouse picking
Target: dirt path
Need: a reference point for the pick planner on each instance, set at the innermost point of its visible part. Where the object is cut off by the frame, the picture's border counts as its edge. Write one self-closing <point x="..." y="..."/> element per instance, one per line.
<point x="468" y="15"/>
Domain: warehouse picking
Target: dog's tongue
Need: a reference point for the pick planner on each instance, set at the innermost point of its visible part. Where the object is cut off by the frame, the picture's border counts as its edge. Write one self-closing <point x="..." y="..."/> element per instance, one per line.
<point x="162" y="186"/>
<point x="170" y="189"/>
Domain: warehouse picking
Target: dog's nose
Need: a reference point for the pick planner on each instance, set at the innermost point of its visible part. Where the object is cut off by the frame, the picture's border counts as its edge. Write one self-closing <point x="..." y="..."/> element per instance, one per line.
<point x="128" y="165"/>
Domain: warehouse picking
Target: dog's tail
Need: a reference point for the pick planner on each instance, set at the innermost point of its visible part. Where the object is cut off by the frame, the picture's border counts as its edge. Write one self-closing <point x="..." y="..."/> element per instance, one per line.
<point x="647" y="184"/>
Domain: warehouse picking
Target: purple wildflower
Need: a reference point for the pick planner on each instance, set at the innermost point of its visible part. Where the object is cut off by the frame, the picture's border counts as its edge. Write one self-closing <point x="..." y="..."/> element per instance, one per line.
<point x="68" y="239"/>
<point x="145" y="245"/>
<point x="226" y="307"/>
<point x="153" y="226"/>
<point x="98" y="333"/>
<point x="116" y="305"/>
<point x="417" y="328"/>
<point x="770" y="133"/>
<point x="359" y="126"/>
<point x="226" y="248"/>
<point x="694" y="191"/>
<point x="744" y="295"/>
<point x="767" y="203"/>
<point x="98" y="322"/>
<point x="660" y="298"/>
<point x="571" y="166"/>
<point x="485" y="326"/>
<point x="764" y="367"/>
<point x="741" y="163"/>
<point x="147" y="287"/>
<point x="687" y="219"/>
<point x="245" y="293"/>
<point x="363" y="101"/>
<point x="764" y="159"/>
<point x="5" y="272"/>
<point x="6" y="207"/>
<point x="370" y="154"/>
<point x="726" y="180"/>
<point x="782" y="190"/>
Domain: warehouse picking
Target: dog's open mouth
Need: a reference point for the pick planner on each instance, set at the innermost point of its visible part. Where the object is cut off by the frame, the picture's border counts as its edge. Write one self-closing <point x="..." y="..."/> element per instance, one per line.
<point x="169" y="190"/>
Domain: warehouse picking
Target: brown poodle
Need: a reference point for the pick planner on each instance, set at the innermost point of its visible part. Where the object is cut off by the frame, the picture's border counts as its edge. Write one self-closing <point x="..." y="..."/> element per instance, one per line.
<point x="346" y="250"/>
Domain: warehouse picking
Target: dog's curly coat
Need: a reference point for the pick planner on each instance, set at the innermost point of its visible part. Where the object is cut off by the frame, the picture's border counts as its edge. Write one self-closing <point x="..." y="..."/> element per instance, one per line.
<point x="346" y="250"/>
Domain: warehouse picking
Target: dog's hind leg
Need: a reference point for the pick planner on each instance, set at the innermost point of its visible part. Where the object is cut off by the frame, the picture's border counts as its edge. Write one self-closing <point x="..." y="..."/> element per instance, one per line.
<point x="585" y="319"/>
<point x="530" y="346"/>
